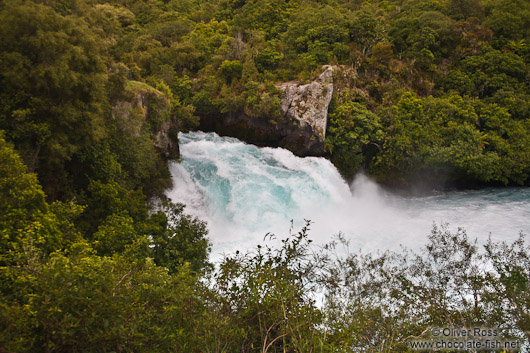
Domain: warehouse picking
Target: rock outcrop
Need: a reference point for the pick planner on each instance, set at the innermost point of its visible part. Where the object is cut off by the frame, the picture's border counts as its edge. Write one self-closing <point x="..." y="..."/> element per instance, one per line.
<point x="147" y="113"/>
<point x="166" y="140"/>
<point x="302" y="128"/>
<point x="308" y="104"/>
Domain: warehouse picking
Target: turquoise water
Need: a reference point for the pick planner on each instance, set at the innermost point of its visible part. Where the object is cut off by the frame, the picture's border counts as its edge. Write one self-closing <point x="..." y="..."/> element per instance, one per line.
<point x="244" y="192"/>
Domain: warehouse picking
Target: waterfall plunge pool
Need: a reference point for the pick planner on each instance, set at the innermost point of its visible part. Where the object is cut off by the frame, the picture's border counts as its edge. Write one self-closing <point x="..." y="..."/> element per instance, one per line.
<point x="244" y="192"/>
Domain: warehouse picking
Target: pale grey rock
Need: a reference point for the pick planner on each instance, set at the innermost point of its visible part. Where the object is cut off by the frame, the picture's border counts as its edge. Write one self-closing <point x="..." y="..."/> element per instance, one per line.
<point x="308" y="103"/>
<point x="302" y="129"/>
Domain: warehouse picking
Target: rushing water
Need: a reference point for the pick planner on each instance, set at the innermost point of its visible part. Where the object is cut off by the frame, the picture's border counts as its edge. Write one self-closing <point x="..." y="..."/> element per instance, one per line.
<point x="244" y="192"/>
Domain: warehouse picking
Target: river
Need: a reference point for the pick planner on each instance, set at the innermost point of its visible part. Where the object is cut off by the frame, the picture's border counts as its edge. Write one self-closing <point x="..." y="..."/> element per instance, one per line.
<point x="244" y="192"/>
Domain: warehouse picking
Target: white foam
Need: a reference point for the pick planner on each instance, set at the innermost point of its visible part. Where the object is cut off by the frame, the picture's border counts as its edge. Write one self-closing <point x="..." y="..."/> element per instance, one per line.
<point x="244" y="192"/>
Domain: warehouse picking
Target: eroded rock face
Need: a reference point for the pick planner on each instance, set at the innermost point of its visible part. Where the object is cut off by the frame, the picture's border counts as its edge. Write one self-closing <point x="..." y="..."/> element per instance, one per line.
<point x="302" y="130"/>
<point x="308" y="104"/>
<point x="143" y="115"/>
<point x="166" y="141"/>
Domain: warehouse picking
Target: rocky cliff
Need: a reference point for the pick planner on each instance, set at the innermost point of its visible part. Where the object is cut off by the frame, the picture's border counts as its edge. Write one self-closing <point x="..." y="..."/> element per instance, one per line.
<point x="147" y="112"/>
<point x="308" y="104"/>
<point x="302" y="128"/>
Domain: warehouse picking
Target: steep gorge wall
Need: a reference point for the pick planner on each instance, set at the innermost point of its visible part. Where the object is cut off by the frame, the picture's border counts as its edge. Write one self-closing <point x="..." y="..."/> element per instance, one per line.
<point x="302" y="128"/>
<point x="147" y="112"/>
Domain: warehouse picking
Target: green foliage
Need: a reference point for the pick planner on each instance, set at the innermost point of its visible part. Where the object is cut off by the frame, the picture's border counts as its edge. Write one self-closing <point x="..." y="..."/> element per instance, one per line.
<point x="115" y="235"/>
<point x="58" y="294"/>
<point x="268" y="59"/>
<point x="26" y="221"/>
<point x="463" y="9"/>
<point x="508" y="20"/>
<point x="417" y="29"/>
<point x="209" y="38"/>
<point x="268" y="291"/>
<point x="317" y="34"/>
<point x="366" y="30"/>
<point x="351" y="129"/>
<point x="79" y="302"/>
<point x="52" y="103"/>
<point x="440" y="139"/>
<point x="250" y="71"/>
<point x="494" y="70"/>
<point x="511" y="282"/>
<point x="178" y="113"/>
<point x="179" y="239"/>
<point x="231" y="70"/>
<point x="435" y="91"/>
<point x="104" y="200"/>
<point x="262" y="101"/>
<point x="270" y="16"/>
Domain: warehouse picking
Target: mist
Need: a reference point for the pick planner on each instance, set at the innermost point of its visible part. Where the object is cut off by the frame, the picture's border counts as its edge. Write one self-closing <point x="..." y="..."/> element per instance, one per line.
<point x="244" y="192"/>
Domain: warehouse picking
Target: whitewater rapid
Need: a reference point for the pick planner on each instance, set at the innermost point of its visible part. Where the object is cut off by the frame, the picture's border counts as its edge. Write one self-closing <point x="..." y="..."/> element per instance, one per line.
<point x="244" y="192"/>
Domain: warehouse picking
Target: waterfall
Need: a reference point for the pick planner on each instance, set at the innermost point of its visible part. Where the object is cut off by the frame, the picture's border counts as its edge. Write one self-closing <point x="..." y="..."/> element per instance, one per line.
<point x="244" y="192"/>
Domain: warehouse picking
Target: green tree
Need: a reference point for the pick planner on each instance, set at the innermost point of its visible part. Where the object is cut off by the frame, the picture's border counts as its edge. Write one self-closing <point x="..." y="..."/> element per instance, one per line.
<point x="315" y="32"/>
<point x="365" y="30"/>
<point x="493" y="70"/>
<point x="464" y="9"/>
<point x="28" y="226"/>
<point x="352" y="129"/>
<point x="269" y="293"/>
<point x="52" y="88"/>
<point x="104" y="200"/>
<point x="511" y="282"/>
<point x="438" y="139"/>
<point x="270" y="16"/>
<point x="231" y="70"/>
<point x="178" y="239"/>
<point x="268" y="59"/>
<point x="509" y="20"/>
<point x="80" y="302"/>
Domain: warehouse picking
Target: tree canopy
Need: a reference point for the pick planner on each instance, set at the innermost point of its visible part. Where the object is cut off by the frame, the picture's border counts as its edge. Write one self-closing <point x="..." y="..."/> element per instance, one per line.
<point x="94" y="258"/>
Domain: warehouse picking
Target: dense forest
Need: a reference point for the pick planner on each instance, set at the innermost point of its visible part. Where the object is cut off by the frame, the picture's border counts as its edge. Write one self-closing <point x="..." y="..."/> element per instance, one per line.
<point x="94" y="258"/>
